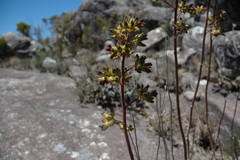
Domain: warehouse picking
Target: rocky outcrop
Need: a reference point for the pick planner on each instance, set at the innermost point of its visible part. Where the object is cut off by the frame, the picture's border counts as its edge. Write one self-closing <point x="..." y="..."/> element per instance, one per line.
<point x="23" y="46"/>
<point x="94" y="18"/>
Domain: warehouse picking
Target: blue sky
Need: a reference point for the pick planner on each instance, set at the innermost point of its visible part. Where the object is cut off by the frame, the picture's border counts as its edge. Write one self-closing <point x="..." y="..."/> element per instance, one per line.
<point x="32" y="12"/>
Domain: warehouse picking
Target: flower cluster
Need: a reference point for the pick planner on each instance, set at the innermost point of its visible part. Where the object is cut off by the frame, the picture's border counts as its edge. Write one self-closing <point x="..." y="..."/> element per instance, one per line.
<point x="108" y="120"/>
<point x="216" y="23"/>
<point x="184" y="8"/>
<point x="111" y="75"/>
<point x="181" y="26"/>
<point x="128" y="26"/>
<point x="120" y="50"/>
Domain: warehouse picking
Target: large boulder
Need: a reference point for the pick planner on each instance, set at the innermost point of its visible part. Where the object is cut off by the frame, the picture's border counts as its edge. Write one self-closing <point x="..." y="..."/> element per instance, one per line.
<point x="155" y="37"/>
<point x="227" y="51"/>
<point x="23" y="46"/>
<point x="17" y="41"/>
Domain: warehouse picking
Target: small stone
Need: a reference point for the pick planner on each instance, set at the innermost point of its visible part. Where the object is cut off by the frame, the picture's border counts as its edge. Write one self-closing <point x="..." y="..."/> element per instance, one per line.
<point x="75" y="154"/>
<point x="71" y="122"/>
<point x="190" y="94"/>
<point x="93" y="144"/>
<point x="102" y="144"/>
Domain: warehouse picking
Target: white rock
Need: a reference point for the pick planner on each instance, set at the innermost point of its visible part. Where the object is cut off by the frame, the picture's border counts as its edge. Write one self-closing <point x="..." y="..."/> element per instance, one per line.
<point x="49" y="63"/>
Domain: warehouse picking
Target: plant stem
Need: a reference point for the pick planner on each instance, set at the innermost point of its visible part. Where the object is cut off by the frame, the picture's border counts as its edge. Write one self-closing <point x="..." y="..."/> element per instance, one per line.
<point x="132" y="102"/>
<point x="206" y="97"/>
<point x="218" y="132"/>
<point x="206" y="89"/>
<point x="177" y="82"/>
<point x="232" y="126"/>
<point x="124" y="108"/>
<point x="199" y="72"/>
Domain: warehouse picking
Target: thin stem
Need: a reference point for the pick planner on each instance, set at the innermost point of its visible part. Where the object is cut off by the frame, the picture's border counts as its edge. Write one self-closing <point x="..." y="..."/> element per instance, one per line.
<point x="159" y="91"/>
<point x="171" y="122"/>
<point x="206" y="90"/>
<point x="158" y="143"/>
<point x="160" y="120"/>
<point x="177" y="82"/>
<point x="132" y="102"/>
<point x="124" y="108"/>
<point x="235" y="111"/>
<point x="218" y="132"/>
<point x="136" y="140"/>
<point x="170" y="5"/>
<point x="170" y="101"/>
<point x="134" y="147"/>
<point x="199" y="73"/>
<point x="129" y="69"/>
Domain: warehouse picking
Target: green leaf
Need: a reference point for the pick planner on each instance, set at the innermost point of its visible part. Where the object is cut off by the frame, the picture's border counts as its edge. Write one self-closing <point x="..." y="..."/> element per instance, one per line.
<point x="144" y="94"/>
<point x="140" y="65"/>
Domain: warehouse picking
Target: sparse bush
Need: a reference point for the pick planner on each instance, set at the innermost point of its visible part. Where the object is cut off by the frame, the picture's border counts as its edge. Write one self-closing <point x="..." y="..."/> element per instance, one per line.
<point x="24" y="28"/>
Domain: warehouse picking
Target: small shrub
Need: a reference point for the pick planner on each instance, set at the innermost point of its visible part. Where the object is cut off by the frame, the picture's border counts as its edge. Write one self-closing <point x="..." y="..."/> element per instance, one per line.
<point x="24" y="28"/>
<point x="5" y="49"/>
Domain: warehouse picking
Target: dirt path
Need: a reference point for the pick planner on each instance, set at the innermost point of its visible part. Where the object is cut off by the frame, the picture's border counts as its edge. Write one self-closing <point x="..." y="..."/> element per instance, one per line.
<point x="42" y="120"/>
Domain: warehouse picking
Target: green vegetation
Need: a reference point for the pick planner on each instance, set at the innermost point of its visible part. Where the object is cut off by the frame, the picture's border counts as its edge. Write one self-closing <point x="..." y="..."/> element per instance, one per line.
<point x="24" y="28"/>
<point x="5" y="49"/>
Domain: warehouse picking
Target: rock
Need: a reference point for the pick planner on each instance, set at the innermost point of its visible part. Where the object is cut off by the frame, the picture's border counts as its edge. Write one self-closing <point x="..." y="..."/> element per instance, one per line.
<point x="16" y="41"/>
<point x="23" y="46"/>
<point x="190" y="94"/>
<point x="106" y="44"/>
<point x="183" y="55"/>
<point x="153" y="15"/>
<point x="103" y="58"/>
<point x="155" y="37"/>
<point x="193" y="39"/>
<point x="82" y="52"/>
<point x="227" y="52"/>
<point x="35" y="46"/>
<point x="103" y="54"/>
<point x="67" y="55"/>
<point x="75" y="62"/>
<point x="77" y="72"/>
<point x="49" y="64"/>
